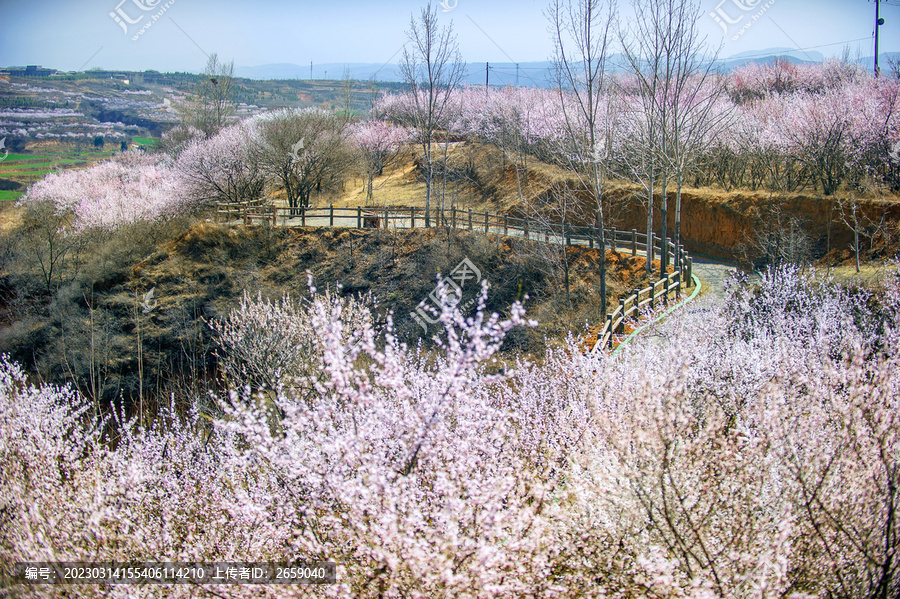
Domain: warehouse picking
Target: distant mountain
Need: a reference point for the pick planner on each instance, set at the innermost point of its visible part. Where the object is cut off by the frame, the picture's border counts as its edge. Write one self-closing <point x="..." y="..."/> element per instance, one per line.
<point x="771" y="53"/>
<point x="500" y="73"/>
<point x="532" y="74"/>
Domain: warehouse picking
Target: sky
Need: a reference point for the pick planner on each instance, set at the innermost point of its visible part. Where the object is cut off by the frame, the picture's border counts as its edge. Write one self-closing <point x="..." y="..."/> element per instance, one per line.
<point x="85" y="34"/>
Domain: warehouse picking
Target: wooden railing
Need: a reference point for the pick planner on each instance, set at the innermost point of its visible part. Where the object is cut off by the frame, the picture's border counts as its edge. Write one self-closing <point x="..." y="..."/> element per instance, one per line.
<point x="239" y="210"/>
<point x="667" y="289"/>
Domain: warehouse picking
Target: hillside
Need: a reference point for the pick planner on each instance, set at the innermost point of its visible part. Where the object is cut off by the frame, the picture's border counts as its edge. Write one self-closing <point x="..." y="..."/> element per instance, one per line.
<point x="724" y="224"/>
<point x="91" y="323"/>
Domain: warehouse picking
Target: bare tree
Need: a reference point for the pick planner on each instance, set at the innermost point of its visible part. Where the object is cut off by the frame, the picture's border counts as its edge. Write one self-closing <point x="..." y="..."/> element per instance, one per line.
<point x="693" y="100"/>
<point x="581" y="38"/>
<point x="644" y="50"/>
<point x="679" y="90"/>
<point x="211" y="106"/>
<point x="433" y="68"/>
<point x="304" y="150"/>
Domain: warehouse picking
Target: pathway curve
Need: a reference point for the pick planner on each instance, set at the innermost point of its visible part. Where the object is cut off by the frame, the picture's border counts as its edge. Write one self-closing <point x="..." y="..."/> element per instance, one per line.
<point x="712" y="273"/>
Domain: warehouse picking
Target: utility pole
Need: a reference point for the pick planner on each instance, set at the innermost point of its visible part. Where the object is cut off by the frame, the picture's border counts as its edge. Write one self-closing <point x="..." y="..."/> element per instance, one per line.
<point x="487" y="76"/>
<point x="517" y="74"/>
<point x="310" y="70"/>
<point x="878" y="23"/>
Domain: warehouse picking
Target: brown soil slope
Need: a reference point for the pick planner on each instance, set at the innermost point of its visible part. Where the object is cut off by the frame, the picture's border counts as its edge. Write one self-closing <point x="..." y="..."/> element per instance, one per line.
<point x="714" y="222"/>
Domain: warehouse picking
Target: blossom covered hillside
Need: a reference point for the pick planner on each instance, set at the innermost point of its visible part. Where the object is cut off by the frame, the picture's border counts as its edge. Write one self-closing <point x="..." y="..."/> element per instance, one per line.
<point x="756" y="453"/>
<point x="133" y="186"/>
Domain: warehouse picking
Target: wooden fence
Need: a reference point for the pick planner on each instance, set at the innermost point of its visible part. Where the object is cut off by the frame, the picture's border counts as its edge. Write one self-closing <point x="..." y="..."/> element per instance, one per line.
<point x="667" y="289"/>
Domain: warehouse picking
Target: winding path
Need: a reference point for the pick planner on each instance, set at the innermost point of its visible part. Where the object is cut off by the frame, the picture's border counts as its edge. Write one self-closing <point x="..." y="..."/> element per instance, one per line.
<point x="711" y="271"/>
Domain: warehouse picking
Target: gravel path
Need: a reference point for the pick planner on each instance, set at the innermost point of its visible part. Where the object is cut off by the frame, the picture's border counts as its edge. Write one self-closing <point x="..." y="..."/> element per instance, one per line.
<point x="712" y="274"/>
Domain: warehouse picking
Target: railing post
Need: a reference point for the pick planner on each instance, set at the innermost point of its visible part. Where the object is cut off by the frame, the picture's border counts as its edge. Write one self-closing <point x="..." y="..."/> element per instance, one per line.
<point x="612" y="239"/>
<point x="690" y="266"/>
<point x="359" y="217"/>
<point x="385" y="218"/>
<point x="622" y="316"/>
<point x="568" y="233"/>
<point x="608" y="329"/>
<point x="591" y="234"/>
<point x="506" y="225"/>
<point x="470" y="219"/>
<point x="485" y="222"/>
<point x="331" y="215"/>
<point x="303" y="217"/>
<point x="412" y="218"/>
<point x="634" y="242"/>
<point x="526" y="228"/>
<point x="453" y="216"/>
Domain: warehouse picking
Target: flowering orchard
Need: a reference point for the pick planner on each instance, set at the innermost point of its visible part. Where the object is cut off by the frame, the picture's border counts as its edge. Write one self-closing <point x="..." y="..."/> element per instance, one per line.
<point x="756" y="454"/>
<point x="780" y="126"/>
<point x="132" y="186"/>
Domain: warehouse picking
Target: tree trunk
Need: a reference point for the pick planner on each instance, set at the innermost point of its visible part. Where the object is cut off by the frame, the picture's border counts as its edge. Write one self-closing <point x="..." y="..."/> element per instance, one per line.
<point x="428" y="183"/>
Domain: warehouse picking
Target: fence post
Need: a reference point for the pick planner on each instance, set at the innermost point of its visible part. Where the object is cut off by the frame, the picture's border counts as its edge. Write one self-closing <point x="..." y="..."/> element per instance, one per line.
<point x="622" y="316"/>
<point x="506" y="225"/>
<point x="412" y="218"/>
<point x="385" y="218"/>
<point x="359" y="217"/>
<point x="470" y="219"/>
<point x="453" y="216"/>
<point x="591" y="233"/>
<point x="608" y="329"/>
<point x="634" y="242"/>
<point x="331" y="215"/>
<point x="612" y="239"/>
<point x="568" y="234"/>
<point x="690" y="266"/>
<point x="485" y="222"/>
<point x="526" y="227"/>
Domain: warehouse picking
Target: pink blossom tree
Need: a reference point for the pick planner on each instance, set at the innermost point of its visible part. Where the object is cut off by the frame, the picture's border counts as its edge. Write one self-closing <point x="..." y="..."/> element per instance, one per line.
<point x="381" y="145"/>
<point x="131" y="186"/>
<point x="224" y="168"/>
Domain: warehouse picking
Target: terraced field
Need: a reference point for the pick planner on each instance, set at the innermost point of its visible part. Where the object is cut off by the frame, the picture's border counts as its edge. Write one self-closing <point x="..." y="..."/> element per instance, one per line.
<point x="18" y="171"/>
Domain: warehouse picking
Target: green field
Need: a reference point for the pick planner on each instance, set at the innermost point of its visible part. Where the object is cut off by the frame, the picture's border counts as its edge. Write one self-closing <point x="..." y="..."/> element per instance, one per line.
<point x="146" y="141"/>
<point x="10" y="196"/>
<point x="20" y="157"/>
<point x="28" y="168"/>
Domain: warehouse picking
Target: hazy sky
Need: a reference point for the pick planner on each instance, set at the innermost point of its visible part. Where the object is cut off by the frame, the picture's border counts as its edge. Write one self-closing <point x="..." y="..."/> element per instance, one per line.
<point x="82" y="34"/>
